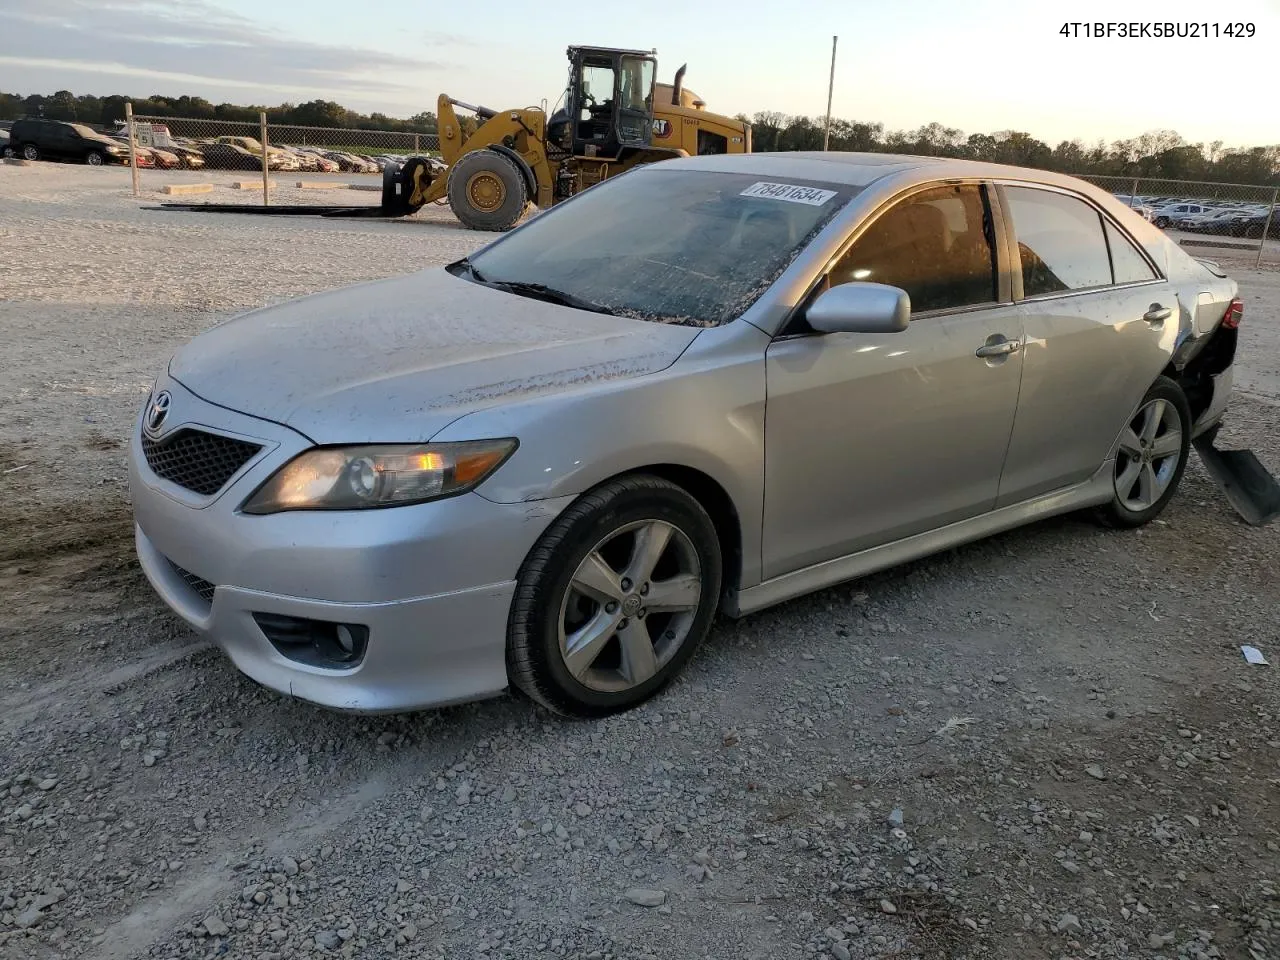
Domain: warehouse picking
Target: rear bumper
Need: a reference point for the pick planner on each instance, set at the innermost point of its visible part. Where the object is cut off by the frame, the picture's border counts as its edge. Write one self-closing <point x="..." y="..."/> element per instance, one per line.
<point x="1223" y="388"/>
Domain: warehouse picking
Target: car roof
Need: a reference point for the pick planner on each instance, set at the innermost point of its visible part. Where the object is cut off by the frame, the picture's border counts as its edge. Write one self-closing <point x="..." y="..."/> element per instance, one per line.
<point x="862" y="169"/>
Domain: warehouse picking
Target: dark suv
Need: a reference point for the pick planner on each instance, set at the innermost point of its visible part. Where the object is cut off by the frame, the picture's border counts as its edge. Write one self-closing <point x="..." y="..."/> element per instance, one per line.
<point x="39" y="139"/>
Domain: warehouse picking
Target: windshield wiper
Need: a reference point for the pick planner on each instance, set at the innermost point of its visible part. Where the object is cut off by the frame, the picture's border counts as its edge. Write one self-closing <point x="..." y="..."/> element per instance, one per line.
<point x="466" y="264"/>
<point x="541" y="291"/>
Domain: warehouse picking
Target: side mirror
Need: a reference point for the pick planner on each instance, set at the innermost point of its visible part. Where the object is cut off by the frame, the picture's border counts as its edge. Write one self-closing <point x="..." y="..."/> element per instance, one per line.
<point x="860" y="307"/>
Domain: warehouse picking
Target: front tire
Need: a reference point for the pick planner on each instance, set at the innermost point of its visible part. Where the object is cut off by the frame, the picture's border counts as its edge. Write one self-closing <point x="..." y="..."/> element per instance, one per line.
<point x="487" y="191"/>
<point x="94" y="159"/>
<point x="1162" y="222"/>
<point x="614" y="598"/>
<point x="1154" y="447"/>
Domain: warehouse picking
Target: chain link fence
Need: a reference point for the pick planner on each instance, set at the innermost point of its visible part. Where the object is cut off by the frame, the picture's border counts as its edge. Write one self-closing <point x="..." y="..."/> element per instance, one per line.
<point x="263" y="150"/>
<point x="1227" y="216"/>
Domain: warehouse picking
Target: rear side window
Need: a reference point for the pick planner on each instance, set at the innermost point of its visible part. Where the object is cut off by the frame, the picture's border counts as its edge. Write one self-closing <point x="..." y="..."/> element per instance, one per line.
<point x="1126" y="261"/>
<point x="1061" y="244"/>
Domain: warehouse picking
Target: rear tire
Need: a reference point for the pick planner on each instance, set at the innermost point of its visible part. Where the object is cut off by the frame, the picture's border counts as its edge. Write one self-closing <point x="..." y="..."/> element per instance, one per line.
<point x="30" y="152"/>
<point x="1151" y="460"/>
<point x="586" y="640"/>
<point x="487" y="191"/>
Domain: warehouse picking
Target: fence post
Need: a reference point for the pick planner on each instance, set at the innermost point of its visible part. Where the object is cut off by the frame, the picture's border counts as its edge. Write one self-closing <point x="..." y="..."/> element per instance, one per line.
<point x="1133" y="194"/>
<point x="417" y="143"/>
<point x="1266" y="227"/>
<point x="133" y="150"/>
<point x="266" y="182"/>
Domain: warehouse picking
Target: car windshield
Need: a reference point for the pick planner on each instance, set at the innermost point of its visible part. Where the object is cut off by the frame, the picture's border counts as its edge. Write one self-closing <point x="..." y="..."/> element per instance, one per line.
<point x="675" y="246"/>
<point x="84" y="131"/>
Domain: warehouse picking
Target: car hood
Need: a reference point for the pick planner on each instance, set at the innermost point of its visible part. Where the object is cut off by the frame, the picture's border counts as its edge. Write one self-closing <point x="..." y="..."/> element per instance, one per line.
<point x="397" y="360"/>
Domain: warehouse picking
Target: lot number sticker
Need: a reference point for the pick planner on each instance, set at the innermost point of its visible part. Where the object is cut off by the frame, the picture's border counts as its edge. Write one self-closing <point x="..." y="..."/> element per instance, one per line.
<point x="789" y="192"/>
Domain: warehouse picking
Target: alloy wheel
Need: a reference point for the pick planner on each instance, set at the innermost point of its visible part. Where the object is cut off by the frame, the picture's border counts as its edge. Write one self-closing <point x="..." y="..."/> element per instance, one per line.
<point x="629" y="606"/>
<point x="1150" y="449"/>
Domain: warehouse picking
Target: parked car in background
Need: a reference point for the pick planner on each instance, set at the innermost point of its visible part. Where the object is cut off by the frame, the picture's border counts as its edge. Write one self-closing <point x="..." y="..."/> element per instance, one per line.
<point x="1166" y="215"/>
<point x="229" y="156"/>
<point x="165" y="159"/>
<point x="189" y="156"/>
<point x="1216" y="221"/>
<point x="1253" y="226"/>
<point x="549" y="465"/>
<point x="145" y="157"/>
<point x="36" y="138"/>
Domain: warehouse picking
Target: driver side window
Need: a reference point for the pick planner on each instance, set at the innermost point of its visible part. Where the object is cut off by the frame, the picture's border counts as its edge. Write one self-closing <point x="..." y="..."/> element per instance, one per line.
<point x="937" y="245"/>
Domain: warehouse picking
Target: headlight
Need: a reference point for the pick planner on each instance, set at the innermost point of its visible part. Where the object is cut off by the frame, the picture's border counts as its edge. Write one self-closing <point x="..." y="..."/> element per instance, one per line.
<point x="357" y="478"/>
<point x="112" y="148"/>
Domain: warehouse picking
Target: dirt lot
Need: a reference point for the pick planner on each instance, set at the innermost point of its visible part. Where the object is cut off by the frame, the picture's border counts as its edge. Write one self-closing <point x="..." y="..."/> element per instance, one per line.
<point x="1084" y="764"/>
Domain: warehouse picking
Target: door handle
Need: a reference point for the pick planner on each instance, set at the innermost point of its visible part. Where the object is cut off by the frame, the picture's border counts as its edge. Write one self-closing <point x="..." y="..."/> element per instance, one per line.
<point x="1157" y="314"/>
<point x="999" y="349"/>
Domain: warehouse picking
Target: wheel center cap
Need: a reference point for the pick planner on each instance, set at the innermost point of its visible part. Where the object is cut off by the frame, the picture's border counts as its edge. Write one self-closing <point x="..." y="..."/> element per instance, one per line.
<point x="631" y="604"/>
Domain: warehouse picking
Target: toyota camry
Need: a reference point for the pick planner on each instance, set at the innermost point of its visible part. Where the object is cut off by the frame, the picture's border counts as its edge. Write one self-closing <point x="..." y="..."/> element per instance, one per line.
<point x="710" y="384"/>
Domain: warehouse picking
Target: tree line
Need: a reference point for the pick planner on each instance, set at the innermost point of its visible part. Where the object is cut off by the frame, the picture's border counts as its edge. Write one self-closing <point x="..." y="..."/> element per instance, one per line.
<point x="108" y="111"/>
<point x="1156" y="154"/>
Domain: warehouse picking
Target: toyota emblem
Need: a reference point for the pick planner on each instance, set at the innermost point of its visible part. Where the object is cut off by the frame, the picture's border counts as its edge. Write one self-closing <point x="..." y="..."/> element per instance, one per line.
<point x="158" y="411"/>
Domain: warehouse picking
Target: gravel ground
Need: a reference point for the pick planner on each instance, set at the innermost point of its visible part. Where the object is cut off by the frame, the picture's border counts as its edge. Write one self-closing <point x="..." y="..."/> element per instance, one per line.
<point x="1043" y="745"/>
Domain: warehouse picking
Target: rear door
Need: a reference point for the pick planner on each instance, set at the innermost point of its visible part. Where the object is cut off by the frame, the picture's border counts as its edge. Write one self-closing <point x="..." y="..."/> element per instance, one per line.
<point x="1094" y="307"/>
<point x="64" y="141"/>
<point x="872" y="438"/>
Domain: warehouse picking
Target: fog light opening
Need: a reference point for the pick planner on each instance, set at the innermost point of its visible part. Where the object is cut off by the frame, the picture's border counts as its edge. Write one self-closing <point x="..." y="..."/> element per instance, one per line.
<point x="317" y="643"/>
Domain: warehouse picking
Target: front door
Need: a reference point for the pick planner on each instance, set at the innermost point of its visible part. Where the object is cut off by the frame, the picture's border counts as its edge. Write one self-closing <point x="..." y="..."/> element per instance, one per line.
<point x="872" y="438"/>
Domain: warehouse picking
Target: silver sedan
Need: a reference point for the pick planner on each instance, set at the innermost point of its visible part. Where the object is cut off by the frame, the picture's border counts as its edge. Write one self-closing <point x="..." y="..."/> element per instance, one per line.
<point x="709" y="384"/>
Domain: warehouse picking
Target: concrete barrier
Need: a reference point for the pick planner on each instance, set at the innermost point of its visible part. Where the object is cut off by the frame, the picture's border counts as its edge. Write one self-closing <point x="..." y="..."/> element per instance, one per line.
<point x="365" y="186"/>
<point x="321" y="185"/>
<point x="251" y="185"/>
<point x="182" y="189"/>
<point x="18" y="161"/>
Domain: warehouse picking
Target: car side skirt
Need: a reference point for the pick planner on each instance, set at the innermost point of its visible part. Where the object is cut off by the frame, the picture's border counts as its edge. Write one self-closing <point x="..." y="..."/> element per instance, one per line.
<point x="1097" y="490"/>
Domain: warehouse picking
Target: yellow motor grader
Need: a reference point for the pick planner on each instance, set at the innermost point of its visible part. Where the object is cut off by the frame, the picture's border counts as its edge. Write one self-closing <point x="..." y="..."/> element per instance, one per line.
<point x="613" y="116"/>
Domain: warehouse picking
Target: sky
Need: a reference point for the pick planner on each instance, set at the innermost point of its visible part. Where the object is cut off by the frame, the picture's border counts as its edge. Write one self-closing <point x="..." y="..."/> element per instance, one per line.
<point x="979" y="65"/>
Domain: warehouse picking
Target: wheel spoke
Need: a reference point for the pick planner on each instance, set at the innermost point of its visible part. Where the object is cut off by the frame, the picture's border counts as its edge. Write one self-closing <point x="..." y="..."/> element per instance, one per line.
<point x="583" y="646"/>
<point x="639" y="662"/>
<point x="1127" y="478"/>
<point x="1130" y="443"/>
<point x="1167" y="445"/>
<point x="1147" y="485"/>
<point x="651" y="543"/>
<point x="674" y="594"/>
<point x="1154" y="417"/>
<point x="597" y="580"/>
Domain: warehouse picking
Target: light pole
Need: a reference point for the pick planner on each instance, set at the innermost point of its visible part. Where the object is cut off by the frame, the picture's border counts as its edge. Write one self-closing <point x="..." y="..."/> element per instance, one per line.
<point x="831" y="85"/>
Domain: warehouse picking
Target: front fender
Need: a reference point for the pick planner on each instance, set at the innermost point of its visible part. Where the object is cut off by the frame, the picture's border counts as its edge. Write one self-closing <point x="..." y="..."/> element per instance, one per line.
<point x="705" y="412"/>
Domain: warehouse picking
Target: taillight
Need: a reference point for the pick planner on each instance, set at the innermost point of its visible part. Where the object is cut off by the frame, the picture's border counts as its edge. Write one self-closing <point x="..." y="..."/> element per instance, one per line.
<point x="1235" y="313"/>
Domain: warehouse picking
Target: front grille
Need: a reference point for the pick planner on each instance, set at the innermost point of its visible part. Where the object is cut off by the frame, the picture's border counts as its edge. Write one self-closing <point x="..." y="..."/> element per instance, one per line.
<point x="200" y="462"/>
<point x="203" y="588"/>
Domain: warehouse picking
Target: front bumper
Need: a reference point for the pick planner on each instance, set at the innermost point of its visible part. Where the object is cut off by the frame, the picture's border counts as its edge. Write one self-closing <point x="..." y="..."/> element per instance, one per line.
<point x="432" y="583"/>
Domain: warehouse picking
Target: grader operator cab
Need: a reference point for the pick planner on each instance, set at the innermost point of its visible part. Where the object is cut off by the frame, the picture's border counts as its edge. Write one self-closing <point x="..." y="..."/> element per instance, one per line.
<point x="612" y="117"/>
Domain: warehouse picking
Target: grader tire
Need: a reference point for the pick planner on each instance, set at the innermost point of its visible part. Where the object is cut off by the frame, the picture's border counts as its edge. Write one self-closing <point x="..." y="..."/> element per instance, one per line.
<point x="486" y="191"/>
